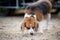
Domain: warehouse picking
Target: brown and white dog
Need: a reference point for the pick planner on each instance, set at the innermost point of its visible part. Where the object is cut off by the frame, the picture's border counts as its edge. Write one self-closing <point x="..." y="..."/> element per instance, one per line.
<point x="30" y="24"/>
<point x="37" y="10"/>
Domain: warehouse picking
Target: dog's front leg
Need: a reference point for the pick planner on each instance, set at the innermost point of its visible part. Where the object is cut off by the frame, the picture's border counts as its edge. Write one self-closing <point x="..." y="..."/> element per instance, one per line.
<point x="36" y="26"/>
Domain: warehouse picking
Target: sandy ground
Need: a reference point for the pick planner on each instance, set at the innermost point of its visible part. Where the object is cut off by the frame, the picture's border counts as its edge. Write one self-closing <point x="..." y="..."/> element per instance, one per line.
<point x="10" y="30"/>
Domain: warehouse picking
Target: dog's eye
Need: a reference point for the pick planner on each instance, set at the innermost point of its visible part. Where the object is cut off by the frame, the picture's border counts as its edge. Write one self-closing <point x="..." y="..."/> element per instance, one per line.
<point x="33" y="27"/>
<point x="27" y="28"/>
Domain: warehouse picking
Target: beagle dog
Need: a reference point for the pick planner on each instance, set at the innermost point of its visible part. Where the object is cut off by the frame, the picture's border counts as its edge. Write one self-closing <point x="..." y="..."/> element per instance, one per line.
<point x="30" y="24"/>
<point x="38" y="9"/>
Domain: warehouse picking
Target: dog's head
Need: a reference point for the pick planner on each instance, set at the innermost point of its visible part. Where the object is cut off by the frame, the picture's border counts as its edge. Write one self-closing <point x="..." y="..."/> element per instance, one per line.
<point x="30" y="24"/>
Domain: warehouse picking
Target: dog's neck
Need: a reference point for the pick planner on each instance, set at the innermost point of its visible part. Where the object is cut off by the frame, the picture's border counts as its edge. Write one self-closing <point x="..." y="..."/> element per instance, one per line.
<point x="29" y="15"/>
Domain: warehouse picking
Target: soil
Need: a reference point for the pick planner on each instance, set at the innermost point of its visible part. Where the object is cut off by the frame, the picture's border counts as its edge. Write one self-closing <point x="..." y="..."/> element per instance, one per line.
<point x="10" y="30"/>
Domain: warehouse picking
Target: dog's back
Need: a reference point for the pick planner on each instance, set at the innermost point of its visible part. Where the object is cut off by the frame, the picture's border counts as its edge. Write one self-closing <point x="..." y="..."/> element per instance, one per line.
<point x="42" y="6"/>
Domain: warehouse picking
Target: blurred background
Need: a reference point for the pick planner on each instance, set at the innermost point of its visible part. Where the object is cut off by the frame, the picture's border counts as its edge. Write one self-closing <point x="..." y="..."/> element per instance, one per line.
<point x="16" y="7"/>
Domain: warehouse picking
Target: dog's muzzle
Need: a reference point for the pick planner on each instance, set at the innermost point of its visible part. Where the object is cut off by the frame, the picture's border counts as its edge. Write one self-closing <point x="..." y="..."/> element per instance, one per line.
<point x="31" y="31"/>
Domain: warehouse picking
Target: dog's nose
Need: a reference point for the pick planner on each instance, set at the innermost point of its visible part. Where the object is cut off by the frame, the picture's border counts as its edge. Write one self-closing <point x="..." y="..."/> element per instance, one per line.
<point x="31" y="33"/>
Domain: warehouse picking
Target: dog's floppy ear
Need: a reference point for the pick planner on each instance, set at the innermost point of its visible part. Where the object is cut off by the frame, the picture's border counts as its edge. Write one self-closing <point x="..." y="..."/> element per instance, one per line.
<point x="23" y="26"/>
<point x="36" y="26"/>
